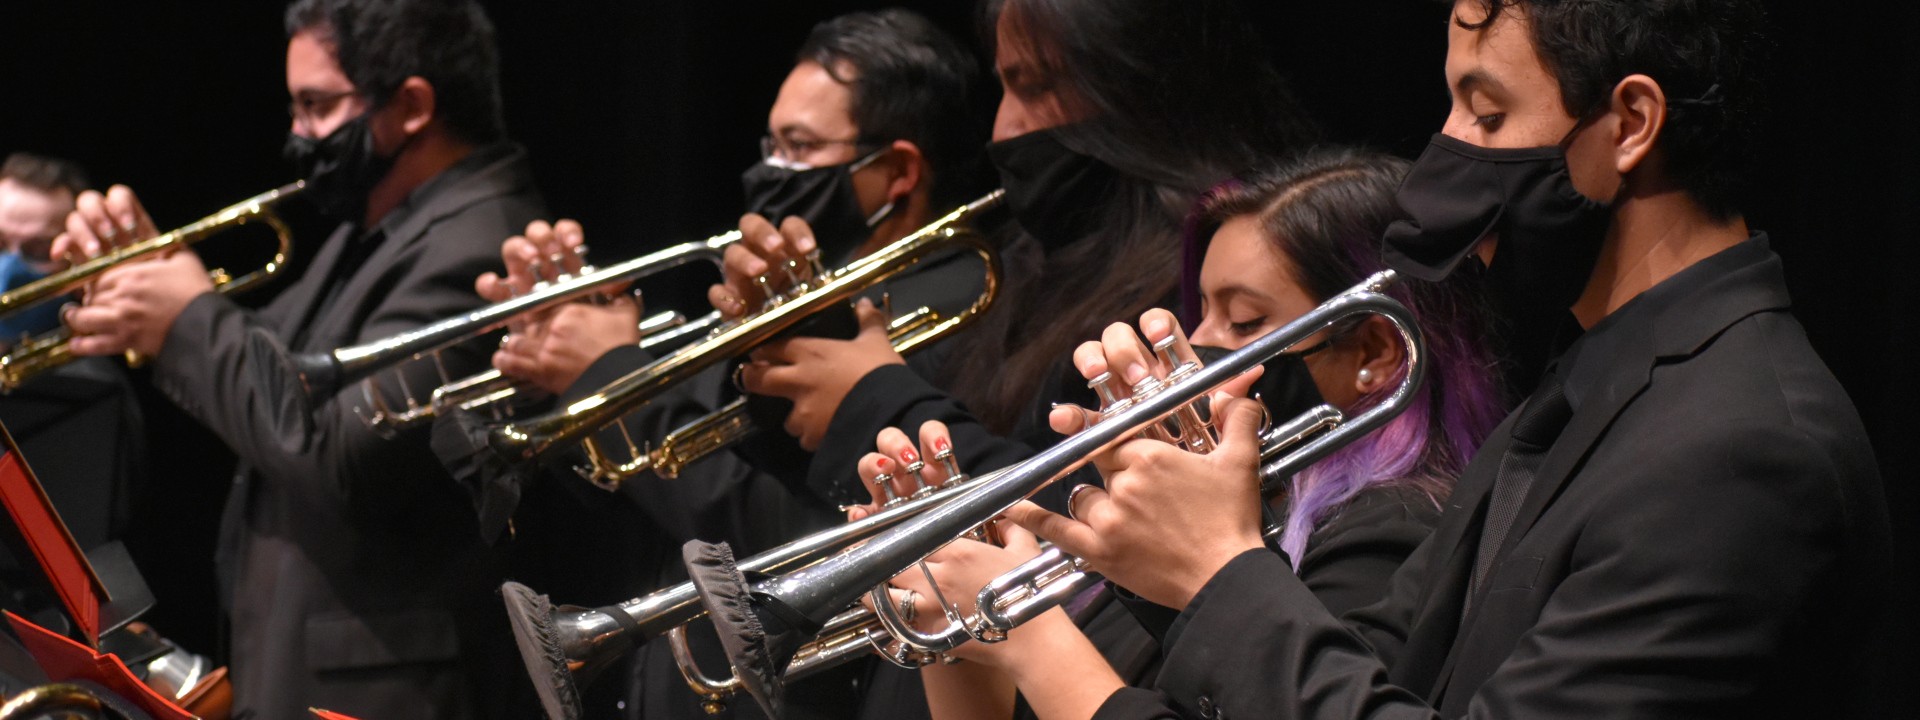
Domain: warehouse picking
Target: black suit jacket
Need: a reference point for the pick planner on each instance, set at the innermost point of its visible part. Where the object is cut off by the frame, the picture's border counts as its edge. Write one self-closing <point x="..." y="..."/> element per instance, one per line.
<point x="357" y="579"/>
<point x="1703" y="540"/>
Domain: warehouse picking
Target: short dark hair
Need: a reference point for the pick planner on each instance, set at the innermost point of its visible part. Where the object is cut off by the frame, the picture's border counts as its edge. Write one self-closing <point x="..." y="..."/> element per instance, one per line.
<point x="381" y="43"/>
<point x="911" y="82"/>
<point x="1705" y="54"/>
<point x="46" y="174"/>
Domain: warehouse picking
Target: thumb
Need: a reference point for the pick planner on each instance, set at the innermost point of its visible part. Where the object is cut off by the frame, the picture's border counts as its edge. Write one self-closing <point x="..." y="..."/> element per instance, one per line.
<point x="1238" y="385"/>
<point x="1239" y="422"/>
<point x="1018" y="539"/>
<point x="872" y="318"/>
<point x="1071" y="535"/>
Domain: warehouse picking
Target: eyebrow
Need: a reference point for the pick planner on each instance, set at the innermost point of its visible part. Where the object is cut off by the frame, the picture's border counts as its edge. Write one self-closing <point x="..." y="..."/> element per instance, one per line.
<point x="1012" y="72"/>
<point x="1236" y="288"/>
<point x="1478" y="79"/>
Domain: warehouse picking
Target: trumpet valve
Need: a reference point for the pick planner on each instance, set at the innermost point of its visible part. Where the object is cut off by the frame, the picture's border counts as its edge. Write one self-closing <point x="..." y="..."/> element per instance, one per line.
<point x="885" y="482"/>
<point x="954" y="476"/>
<point x="921" y="488"/>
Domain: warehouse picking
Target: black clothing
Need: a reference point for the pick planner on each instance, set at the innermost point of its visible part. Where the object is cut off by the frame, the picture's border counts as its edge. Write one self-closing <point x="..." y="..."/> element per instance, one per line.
<point x="355" y="575"/>
<point x="1347" y="564"/>
<point x="1702" y="540"/>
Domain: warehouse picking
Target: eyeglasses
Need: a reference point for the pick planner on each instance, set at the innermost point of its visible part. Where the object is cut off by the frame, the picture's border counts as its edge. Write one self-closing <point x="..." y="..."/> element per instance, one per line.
<point x="795" y="151"/>
<point x="308" y="108"/>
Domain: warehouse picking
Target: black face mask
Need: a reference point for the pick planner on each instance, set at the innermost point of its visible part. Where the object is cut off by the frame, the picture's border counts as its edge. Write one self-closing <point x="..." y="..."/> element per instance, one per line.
<point x="340" y="169"/>
<point x="822" y="196"/>
<point x="1550" y="234"/>
<point x="1286" y="387"/>
<point x="1055" y="193"/>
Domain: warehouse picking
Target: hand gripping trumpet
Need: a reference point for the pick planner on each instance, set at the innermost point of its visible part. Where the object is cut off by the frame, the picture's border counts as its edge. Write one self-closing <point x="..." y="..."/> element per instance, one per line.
<point x="523" y="441"/>
<point x="34" y="355"/>
<point x="567" y="646"/>
<point x="325" y="373"/>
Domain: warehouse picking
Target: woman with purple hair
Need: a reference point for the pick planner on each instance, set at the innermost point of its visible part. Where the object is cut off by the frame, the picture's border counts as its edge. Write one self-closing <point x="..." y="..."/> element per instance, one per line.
<point x="1282" y="242"/>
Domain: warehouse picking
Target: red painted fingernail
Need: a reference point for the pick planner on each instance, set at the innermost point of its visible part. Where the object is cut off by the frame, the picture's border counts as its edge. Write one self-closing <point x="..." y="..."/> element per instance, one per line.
<point x="909" y="457"/>
<point x="941" y="444"/>
<point x="883" y="464"/>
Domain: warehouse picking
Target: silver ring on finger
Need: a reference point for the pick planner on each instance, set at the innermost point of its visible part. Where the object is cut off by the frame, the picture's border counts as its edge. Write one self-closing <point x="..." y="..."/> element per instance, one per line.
<point x="909" y="606"/>
<point x="1073" y="495"/>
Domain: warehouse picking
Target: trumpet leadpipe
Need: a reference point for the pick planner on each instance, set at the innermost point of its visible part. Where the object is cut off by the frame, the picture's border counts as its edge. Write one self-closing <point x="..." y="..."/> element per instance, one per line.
<point x="325" y="373"/>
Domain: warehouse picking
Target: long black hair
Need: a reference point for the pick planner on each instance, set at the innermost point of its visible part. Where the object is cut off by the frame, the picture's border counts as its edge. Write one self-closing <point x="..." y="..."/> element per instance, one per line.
<point x="1178" y="96"/>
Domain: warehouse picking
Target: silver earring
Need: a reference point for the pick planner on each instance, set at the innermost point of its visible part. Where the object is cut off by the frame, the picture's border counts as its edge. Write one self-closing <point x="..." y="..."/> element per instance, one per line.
<point x="1366" y="375"/>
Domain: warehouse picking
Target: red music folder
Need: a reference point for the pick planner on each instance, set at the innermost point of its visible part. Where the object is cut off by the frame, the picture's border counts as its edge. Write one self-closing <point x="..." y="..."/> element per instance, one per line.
<point x="66" y="660"/>
<point x="46" y="538"/>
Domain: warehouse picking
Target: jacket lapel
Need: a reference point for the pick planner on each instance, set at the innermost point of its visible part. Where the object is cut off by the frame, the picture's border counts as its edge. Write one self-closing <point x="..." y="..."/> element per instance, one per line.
<point x="1428" y="658"/>
<point x="494" y="177"/>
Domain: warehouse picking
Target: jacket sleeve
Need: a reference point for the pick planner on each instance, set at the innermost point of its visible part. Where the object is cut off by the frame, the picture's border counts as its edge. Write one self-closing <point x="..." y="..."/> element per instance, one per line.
<point x="229" y="370"/>
<point x="1351" y="559"/>
<point x="897" y="396"/>
<point x="720" y="496"/>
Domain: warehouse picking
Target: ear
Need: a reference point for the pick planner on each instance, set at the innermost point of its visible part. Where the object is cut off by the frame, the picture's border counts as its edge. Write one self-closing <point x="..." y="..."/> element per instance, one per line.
<point x="1380" y="354"/>
<point x="415" y="102"/>
<point x="908" y="168"/>
<point x="1641" y="107"/>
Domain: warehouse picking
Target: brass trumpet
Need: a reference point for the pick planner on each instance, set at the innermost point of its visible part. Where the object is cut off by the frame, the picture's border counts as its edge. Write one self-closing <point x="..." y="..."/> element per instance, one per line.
<point x="567" y="646"/>
<point x="522" y="441"/>
<point x="326" y="373"/>
<point x="49" y="350"/>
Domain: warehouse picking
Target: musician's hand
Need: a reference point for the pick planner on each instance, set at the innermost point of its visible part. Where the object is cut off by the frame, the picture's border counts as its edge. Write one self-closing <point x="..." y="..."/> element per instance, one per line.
<point x="962" y="568"/>
<point x="554" y="351"/>
<point x="896" y="453"/>
<point x="132" y="307"/>
<point x="100" y="223"/>
<point x="1055" y="666"/>
<point x="767" y="259"/>
<point x="1130" y="360"/>
<point x="544" y="253"/>
<point x="1168" y="519"/>
<point x="817" y="373"/>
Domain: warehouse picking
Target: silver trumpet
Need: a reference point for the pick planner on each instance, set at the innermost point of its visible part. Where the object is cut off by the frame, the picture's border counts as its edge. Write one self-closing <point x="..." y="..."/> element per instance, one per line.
<point x="567" y="646"/>
<point x="829" y="570"/>
<point x="326" y="373"/>
<point x="807" y="598"/>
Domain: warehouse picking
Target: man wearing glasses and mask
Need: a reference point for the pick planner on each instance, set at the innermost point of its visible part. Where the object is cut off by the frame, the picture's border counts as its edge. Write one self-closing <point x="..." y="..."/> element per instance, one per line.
<point x="872" y="136"/>
<point x="352" y="572"/>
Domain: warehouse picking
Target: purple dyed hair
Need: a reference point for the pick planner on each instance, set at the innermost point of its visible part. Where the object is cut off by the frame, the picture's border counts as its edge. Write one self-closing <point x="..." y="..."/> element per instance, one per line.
<point x="1327" y="211"/>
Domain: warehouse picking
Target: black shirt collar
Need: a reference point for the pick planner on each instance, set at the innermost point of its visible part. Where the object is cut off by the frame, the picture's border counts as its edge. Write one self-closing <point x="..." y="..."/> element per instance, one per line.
<point x="1676" y="317"/>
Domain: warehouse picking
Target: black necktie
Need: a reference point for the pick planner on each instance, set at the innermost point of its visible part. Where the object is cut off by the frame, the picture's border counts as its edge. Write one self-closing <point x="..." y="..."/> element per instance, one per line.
<point x="1540" y="422"/>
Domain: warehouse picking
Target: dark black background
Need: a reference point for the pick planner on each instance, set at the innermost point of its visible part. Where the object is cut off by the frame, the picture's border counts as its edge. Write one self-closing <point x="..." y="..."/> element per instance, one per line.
<point x="640" y="115"/>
